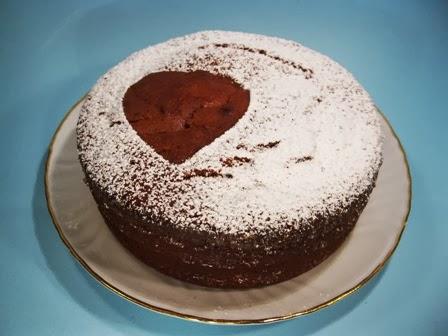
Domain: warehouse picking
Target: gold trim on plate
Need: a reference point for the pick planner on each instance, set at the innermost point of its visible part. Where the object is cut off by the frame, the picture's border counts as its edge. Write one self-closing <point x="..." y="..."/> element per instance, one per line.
<point x="220" y="321"/>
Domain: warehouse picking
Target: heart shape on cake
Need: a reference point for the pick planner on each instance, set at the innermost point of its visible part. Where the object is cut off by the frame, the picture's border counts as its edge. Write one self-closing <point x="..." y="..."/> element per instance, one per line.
<point x="178" y="113"/>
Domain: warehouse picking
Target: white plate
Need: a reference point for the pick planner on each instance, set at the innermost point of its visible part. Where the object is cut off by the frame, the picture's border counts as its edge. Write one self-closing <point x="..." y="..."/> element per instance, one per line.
<point x="88" y="238"/>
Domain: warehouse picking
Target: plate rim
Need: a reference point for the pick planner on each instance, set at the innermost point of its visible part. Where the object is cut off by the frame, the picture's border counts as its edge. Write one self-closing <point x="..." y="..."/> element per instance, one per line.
<point x="173" y="313"/>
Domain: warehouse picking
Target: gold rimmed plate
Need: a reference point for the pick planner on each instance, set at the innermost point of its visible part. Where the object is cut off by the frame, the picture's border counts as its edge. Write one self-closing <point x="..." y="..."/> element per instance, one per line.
<point x="88" y="238"/>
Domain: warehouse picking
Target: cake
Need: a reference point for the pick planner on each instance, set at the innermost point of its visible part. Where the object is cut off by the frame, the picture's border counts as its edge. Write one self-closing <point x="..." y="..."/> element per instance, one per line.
<point x="227" y="159"/>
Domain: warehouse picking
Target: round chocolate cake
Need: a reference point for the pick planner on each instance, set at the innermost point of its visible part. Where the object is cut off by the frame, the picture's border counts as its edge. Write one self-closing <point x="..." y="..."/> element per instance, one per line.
<point x="229" y="159"/>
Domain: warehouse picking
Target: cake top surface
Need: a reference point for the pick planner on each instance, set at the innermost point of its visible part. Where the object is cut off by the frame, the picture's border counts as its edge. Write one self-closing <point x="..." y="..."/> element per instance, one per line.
<point x="308" y="145"/>
<point x="177" y="113"/>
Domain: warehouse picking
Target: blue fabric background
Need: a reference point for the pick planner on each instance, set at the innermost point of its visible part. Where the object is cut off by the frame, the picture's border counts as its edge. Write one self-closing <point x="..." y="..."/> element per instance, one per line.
<point x="53" y="51"/>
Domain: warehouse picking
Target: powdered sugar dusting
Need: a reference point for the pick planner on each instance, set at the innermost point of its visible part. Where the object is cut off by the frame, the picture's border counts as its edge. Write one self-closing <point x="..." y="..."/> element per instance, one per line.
<point x="309" y="143"/>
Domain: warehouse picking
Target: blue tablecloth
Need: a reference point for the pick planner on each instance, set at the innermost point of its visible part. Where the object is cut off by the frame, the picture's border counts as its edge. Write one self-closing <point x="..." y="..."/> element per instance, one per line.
<point x="53" y="51"/>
